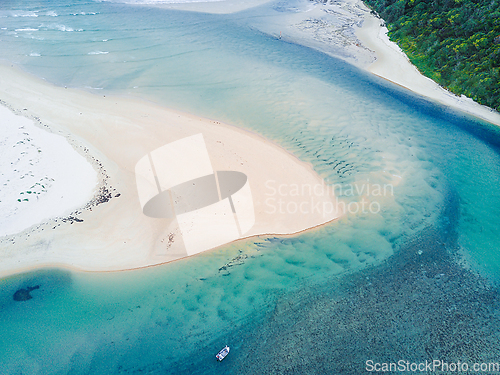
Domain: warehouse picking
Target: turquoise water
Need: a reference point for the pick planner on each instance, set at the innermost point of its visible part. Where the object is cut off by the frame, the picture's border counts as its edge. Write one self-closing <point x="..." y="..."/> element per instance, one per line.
<point x="352" y="127"/>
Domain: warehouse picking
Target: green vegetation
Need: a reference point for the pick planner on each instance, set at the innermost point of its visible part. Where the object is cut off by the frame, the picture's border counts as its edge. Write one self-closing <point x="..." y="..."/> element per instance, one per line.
<point x="454" y="42"/>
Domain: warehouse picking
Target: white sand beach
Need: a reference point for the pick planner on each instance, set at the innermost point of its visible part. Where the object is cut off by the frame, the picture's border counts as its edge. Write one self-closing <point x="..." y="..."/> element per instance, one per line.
<point x="38" y="168"/>
<point x="113" y="134"/>
<point x="393" y="65"/>
<point x="211" y="6"/>
<point x="348" y="30"/>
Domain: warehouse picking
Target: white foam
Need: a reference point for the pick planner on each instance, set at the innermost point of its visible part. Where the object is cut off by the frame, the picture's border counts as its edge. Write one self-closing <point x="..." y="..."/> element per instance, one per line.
<point x="51" y="13"/>
<point x="98" y="53"/>
<point x="41" y="175"/>
<point x="27" y="29"/>
<point x="21" y="13"/>
<point x="59" y="27"/>
<point x="84" y="14"/>
<point x="34" y="54"/>
<point x="64" y="28"/>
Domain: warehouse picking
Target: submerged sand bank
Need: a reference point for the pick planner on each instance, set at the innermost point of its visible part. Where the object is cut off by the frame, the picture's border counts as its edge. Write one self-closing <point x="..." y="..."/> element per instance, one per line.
<point x="114" y="134"/>
<point x="211" y="6"/>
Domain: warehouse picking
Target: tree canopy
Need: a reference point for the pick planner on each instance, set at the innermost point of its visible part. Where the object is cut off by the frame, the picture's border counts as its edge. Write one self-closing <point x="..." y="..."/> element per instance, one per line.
<point x="454" y="42"/>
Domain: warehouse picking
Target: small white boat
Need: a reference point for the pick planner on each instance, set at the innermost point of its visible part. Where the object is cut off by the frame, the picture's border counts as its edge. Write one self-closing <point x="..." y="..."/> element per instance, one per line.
<point x="223" y="353"/>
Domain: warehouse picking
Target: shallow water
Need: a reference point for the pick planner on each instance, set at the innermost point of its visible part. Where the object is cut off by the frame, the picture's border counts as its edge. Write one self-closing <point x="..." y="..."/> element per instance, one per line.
<point x="353" y="128"/>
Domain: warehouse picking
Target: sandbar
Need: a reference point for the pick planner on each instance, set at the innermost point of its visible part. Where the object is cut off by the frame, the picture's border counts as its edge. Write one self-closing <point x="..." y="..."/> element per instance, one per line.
<point x="111" y="232"/>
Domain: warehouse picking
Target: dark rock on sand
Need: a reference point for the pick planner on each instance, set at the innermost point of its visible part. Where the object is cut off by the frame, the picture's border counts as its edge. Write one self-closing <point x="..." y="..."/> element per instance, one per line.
<point x="24" y="294"/>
